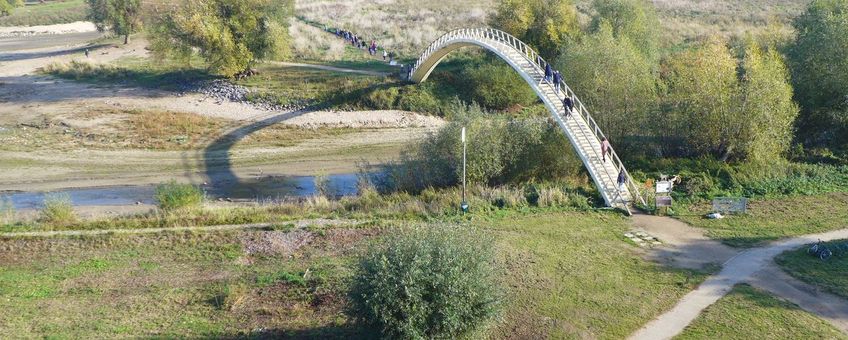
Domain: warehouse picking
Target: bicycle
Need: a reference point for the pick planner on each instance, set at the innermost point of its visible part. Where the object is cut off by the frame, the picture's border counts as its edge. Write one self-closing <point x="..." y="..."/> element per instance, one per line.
<point x="820" y="250"/>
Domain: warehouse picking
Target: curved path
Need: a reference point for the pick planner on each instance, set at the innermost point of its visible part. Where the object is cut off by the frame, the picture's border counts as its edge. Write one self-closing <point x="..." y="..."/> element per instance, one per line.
<point x="753" y="266"/>
<point x="578" y="125"/>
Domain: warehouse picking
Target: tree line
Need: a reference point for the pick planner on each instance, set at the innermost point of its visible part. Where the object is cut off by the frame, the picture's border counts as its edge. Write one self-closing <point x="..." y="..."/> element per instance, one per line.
<point x="229" y="35"/>
<point x="744" y="98"/>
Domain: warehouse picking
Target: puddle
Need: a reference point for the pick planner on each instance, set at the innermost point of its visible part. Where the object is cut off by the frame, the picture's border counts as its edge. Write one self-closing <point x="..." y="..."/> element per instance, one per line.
<point x="265" y="189"/>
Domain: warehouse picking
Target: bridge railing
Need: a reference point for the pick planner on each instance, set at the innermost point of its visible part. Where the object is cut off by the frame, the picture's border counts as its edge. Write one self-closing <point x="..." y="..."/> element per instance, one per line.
<point x="538" y="65"/>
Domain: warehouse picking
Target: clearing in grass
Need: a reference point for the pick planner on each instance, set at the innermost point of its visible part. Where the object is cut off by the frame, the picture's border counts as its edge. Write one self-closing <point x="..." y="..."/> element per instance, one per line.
<point x="749" y="313"/>
<point x="830" y="275"/>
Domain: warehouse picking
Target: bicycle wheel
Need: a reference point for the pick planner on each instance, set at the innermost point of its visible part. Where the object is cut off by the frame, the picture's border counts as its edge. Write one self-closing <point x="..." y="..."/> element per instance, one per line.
<point x="814" y="250"/>
<point x="825" y="254"/>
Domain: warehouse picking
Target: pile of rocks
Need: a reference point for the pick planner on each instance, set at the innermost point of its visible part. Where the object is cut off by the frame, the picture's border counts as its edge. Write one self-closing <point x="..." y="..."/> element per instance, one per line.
<point x="222" y="90"/>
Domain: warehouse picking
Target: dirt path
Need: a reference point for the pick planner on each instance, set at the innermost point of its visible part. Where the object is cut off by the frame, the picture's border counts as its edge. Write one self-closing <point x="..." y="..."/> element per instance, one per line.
<point x="689" y="245"/>
<point x="832" y="308"/>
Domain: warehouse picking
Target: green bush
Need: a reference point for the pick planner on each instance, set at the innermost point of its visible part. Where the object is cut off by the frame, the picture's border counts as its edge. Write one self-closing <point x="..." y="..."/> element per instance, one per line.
<point x="418" y="99"/>
<point x="58" y="210"/>
<point x="383" y="99"/>
<point x="497" y="86"/>
<point x="173" y="195"/>
<point x="7" y="210"/>
<point x="500" y="151"/>
<point x="426" y="283"/>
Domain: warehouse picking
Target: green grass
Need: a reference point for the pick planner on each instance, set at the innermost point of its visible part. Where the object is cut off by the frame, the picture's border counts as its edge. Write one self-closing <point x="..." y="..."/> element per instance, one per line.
<point x="748" y="313"/>
<point x="206" y="285"/>
<point x="131" y="71"/>
<point x="830" y="275"/>
<point x="176" y="285"/>
<point x="574" y="275"/>
<point x="773" y="218"/>
<point x="52" y="12"/>
<point x="288" y="85"/>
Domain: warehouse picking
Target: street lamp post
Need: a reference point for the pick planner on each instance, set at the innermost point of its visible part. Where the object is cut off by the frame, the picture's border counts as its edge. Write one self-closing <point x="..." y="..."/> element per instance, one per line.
<point x="464" y="205"/>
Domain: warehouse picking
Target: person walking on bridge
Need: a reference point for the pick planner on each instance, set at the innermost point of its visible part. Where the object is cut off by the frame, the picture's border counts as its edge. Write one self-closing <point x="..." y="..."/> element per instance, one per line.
<point x="622" y="180"/>
<point x="548" y="72"/>
<point x="557" y="81"/>
<point x="605" y="148"/>
<point x="568" y="104"/>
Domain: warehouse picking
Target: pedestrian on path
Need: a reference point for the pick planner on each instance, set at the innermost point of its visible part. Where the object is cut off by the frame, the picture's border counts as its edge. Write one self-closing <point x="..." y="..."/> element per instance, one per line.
<point x="605" y="148"/>
<point x="548" y="72"/>
<point x="568" y="104"/>
<point x="385" y="54"/>
<point x="557" y="80"/>
<point x="622" y="180"/>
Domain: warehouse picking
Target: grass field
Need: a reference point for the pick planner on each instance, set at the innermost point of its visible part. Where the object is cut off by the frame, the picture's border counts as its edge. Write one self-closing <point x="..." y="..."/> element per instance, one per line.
<point x="748" y="313"/>
<point x="51" y="12"/>
<point x="217" y="284"/>
<point x="830" y="275"/>
<point x="774" y="218"/>
<point x="408" y="26"/>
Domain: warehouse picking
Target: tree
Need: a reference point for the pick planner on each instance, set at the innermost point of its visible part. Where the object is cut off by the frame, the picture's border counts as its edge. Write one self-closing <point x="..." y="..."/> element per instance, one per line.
<point x="767" y="105"/>
<point x="702" y="99"/>
<point x="820" y="71"/>
<point x="6" y="6"/>
<point x="121" y="17"/>
<point x="634" y="19"/>
<point x="229" y="35"/>
<point x="614" y="79"/>
<point x="497" y="86"/>
<point x="543" y="24"/>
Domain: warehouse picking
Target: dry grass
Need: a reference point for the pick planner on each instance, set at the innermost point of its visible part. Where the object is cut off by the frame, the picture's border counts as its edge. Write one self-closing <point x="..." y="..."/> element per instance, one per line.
<point x="311" y="43"/>
<point x="404" y="26"/>
<point x="408" y="26"/>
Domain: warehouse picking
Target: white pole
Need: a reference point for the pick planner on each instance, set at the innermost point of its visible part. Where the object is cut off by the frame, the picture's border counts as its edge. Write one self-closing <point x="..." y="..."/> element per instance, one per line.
<point x="464" y="204"/>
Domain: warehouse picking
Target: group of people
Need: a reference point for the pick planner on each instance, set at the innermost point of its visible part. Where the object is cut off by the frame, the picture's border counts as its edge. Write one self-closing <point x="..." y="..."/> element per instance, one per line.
<point x="360" y="43"/>
<point x="555" y="77"/>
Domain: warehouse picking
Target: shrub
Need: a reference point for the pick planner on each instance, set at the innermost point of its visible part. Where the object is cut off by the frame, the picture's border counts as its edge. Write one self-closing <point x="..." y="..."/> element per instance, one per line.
<point x="435" y="282"/>
<point x="500" y="151"/>
<point x="7" y="210"/>
<point x="383" y="99"/>
<point x="322" y="185"/>
<point x="173" y="195"/>
<point x="498" y="87"/>
<point x="418" y="99"/>
<point x="58" y="210"/>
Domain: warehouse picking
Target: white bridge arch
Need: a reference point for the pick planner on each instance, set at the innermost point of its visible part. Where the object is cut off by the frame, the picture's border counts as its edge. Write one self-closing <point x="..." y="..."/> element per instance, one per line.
<point x="582" y="131"/>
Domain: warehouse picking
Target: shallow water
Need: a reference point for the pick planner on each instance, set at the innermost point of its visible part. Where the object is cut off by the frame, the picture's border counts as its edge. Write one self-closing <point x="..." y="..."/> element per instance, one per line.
<point x="264" y="189"/>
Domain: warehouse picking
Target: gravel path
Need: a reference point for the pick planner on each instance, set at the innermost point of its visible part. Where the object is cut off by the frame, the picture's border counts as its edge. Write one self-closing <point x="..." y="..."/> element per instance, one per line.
<point x="743" y="267"/>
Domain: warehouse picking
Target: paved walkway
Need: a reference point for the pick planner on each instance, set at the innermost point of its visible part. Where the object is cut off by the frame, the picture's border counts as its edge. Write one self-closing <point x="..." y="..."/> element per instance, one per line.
<point x="754" y="266"/>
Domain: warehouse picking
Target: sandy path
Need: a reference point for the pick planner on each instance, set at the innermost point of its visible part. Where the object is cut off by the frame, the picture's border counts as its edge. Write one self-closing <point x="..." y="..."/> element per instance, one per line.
<point x="832" y="308"/>
<point x="74" y="27"/>
<point x="740" y="268"/>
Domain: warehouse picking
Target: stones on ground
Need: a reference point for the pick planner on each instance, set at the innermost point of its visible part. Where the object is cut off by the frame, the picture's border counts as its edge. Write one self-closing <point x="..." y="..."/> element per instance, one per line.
<point x="222" y="90"/>
<point x="642" y="239"/>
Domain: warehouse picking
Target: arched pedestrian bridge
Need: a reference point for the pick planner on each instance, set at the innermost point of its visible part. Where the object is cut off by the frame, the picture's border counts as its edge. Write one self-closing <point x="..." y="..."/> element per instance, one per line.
<point x="581" y="129"/>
